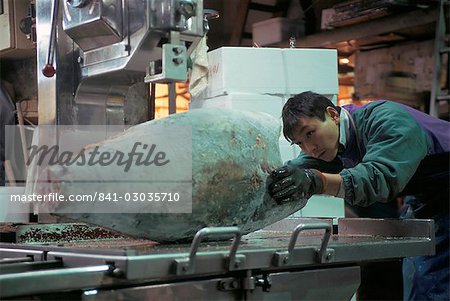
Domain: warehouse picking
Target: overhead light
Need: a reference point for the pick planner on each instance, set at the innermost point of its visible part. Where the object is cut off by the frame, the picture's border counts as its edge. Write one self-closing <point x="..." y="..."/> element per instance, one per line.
<point x="344" y="61"/>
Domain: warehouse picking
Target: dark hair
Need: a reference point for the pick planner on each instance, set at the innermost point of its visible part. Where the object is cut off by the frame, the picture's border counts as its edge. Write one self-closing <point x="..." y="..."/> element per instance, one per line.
<point x="306" y="104"/>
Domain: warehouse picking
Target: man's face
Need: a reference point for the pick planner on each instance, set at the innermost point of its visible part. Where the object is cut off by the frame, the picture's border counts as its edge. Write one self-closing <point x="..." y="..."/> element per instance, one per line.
<point x="318" y="138"/>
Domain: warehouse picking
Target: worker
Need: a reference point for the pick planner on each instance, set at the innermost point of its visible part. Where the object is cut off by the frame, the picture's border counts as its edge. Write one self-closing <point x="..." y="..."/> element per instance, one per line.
<point x="372" y="154"/>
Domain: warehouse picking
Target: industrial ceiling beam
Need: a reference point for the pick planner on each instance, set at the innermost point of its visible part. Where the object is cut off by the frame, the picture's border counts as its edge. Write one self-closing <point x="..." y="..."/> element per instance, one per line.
<point x="371" y="28"/>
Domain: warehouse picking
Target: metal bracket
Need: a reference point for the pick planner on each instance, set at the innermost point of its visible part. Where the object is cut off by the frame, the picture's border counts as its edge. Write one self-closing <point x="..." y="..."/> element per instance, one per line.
<point x="173" y="65"/>
<point x="187" y="265"/>
<point x="323" y="254"/>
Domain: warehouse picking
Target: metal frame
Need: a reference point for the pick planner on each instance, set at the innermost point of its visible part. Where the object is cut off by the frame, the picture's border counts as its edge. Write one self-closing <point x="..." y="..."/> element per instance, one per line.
<point x="259" y="252"/>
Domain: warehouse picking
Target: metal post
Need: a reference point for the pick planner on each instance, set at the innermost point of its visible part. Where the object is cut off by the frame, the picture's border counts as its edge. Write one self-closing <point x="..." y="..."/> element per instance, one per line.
<point x="172" y="98"/>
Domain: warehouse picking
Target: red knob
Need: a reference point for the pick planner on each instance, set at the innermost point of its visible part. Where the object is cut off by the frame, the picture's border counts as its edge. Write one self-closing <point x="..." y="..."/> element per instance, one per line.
<point x="48" y="70"/>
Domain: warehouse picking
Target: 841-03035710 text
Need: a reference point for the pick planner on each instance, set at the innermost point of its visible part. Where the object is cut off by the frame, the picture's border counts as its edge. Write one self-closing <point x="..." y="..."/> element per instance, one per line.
<point x="100" y="197"/>
<point x="140" y="197"/>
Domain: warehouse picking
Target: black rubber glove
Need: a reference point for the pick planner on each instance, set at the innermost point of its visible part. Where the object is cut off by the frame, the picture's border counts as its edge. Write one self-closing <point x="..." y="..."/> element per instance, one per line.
<point x="288" y="183"/>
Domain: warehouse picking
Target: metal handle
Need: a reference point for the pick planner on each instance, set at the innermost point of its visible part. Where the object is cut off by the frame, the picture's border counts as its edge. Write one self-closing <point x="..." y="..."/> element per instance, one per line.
<point x="49" y="70"/>
<point x="323" y="255"/>
<point x="186" y="265"/>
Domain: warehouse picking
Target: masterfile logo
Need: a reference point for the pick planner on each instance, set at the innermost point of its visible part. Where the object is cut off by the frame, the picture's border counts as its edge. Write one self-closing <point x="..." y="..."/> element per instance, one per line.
<point x="140" y="154"/>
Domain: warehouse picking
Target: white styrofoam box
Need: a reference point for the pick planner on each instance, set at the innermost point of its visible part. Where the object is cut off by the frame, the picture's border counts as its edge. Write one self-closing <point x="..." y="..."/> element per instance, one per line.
<point x="276" y="30"/>
<point x="245" y="69"/>
<point x="311" y="70"/>
<point x="322" y="206"/>
<point x="13" y="211"/>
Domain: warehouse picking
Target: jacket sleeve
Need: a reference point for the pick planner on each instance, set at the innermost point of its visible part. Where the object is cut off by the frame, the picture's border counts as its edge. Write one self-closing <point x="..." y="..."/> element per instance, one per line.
<point x="305" y="161"/>
<point x="395" y="144"/>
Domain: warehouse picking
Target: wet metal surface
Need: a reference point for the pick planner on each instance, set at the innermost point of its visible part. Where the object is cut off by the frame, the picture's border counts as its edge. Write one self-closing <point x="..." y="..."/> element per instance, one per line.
<point x="260" y="240"/>
<point x="91" y="239"/>
<point x="77" y="235"/>
<point x="59" y="233"/>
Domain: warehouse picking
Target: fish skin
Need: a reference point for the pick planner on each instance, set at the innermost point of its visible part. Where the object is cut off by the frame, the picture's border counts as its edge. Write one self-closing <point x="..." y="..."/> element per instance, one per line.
<point x="233" y="153"/>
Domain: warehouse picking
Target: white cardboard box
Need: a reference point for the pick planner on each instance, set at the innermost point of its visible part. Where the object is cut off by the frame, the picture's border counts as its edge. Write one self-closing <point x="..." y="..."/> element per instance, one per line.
<point x="311" y="70"/>
<point x="245" y="70"/>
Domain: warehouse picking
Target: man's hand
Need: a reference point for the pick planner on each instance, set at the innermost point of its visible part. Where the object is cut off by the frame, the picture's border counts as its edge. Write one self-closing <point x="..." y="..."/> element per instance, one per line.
<point x="288" y="183"/>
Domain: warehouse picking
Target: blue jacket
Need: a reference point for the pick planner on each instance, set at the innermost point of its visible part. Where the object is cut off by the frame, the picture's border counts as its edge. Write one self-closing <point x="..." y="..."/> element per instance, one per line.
<point x="389" y="146"/>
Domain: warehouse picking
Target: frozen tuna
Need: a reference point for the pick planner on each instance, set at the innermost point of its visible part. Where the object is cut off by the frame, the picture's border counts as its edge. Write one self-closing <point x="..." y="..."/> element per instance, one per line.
<point x="217" y="159"/>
